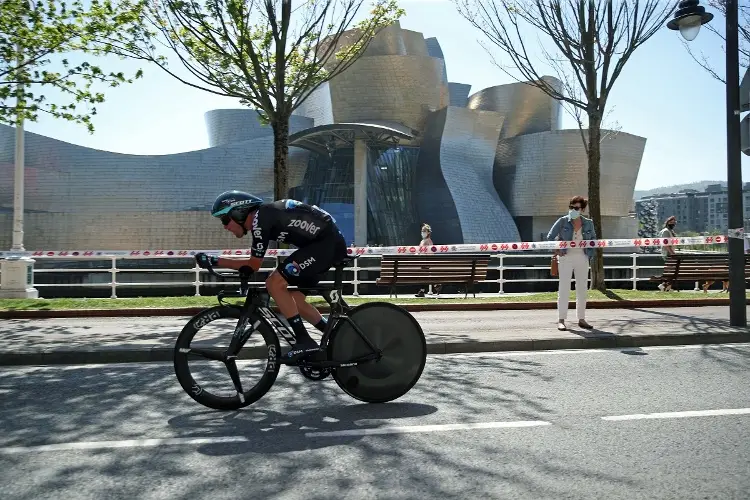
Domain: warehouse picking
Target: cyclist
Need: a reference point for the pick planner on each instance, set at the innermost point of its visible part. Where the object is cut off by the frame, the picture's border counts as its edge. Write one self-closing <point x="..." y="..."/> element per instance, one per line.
<point x="312" y="230"/>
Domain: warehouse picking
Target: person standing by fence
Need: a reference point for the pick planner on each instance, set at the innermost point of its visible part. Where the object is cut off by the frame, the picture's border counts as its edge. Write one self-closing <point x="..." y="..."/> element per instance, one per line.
<point x="427" y="242"/>
<point x="667" y="250"/>
<point x="576" y="228"/>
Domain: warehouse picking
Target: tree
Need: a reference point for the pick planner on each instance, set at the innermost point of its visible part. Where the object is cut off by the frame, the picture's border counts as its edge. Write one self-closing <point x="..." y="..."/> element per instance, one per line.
<point x="266" y="53"/>
<point x="32" y="35"/>
<point x="744" y="36"/>
<point x="591" y="41"/>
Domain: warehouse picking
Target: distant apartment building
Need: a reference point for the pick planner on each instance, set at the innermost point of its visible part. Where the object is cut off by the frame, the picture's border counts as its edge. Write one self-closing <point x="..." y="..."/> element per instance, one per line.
<point x="699" y="211"/>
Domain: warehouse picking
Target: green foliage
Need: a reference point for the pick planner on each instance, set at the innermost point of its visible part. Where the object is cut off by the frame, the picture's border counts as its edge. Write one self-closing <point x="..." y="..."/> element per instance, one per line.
<point x="49" y="33"/>
<point x="265" y="53"/>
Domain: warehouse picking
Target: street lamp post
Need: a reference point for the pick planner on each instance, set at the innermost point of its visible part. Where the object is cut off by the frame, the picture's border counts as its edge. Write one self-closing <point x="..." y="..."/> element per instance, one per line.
<point x="17" y="271"/>
<point x="688" y="20"/>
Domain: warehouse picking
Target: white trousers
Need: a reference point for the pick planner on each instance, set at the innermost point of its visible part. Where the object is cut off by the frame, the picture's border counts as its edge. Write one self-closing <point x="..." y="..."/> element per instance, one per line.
<point x="567" y="265"/>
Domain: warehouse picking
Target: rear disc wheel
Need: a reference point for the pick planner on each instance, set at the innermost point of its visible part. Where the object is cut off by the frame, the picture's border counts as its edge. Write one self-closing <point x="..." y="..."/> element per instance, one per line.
<point x="390" y="329"/>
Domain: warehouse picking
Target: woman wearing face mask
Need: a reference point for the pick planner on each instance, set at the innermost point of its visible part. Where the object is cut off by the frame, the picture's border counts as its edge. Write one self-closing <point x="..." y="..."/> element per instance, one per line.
<point x="573" y="227"/>
<point x="426" y="242"/>
<point x="426" y="236"/>
<point x="666" y="250"/>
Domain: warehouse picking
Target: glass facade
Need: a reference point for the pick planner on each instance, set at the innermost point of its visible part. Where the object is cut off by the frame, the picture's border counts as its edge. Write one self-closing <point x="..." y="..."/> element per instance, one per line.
<point x="391" y="207"/>
<point x="391" y="173"/>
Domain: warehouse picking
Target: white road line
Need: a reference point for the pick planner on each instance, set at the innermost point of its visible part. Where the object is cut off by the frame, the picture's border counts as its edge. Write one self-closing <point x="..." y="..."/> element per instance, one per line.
<point x="131" y="443"/>
<point x="605" y="350"/>
<point x="428" y="428"/>
<point x="144" y="443"/>
<point x="681" y="414"/>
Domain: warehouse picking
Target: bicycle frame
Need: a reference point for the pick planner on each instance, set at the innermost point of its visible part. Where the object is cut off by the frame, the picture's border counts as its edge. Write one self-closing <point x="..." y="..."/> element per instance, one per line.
<point x="256" y="310"/>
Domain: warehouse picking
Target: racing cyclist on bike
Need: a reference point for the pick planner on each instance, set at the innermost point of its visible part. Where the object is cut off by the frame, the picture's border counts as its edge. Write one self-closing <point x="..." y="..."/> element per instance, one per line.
<point x="312" y="230"/>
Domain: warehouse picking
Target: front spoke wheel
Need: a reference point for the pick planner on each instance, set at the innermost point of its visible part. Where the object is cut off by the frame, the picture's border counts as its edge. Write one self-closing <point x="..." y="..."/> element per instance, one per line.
<point x="236" y="381"/>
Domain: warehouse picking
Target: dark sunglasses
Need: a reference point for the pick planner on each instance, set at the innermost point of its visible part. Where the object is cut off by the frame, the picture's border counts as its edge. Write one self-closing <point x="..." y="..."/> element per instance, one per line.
<point x="225" y="219"/>
<point x="578" y="207"/>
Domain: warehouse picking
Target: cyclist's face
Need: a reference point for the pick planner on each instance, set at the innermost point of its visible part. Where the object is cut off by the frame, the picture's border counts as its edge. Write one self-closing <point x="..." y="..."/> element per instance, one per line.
<point x="232" y="226"/>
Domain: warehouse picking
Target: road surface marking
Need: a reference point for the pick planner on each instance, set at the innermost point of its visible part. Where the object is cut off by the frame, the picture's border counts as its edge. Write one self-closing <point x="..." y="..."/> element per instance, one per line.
<point x="131" y="443"/>
<point x="681" y="414"/>
<point x="428" y="428"/>
<point x="144" y="443"/>
<point x="604" y="350"/>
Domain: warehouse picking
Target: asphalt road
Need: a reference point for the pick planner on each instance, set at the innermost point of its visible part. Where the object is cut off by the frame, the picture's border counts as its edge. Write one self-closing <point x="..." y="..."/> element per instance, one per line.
<point x="531" y="425"/>
<point x="439" y="326"/>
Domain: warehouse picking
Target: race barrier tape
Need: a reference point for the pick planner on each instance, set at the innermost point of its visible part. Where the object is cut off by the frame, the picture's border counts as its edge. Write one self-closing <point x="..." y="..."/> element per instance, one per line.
<point x="434" y="249"/>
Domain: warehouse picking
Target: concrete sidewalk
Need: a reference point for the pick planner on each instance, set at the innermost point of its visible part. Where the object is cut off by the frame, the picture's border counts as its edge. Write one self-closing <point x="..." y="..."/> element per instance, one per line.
<point x="122" y="340"/>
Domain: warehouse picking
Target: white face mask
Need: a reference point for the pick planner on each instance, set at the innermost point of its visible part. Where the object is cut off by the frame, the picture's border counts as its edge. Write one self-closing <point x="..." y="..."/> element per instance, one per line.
<point x="574" y="214"/>
<point x="424" y="235"/>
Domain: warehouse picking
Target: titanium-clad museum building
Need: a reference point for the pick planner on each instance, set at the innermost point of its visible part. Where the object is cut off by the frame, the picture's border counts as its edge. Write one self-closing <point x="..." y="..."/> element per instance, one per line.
<point x="385" y="146"/>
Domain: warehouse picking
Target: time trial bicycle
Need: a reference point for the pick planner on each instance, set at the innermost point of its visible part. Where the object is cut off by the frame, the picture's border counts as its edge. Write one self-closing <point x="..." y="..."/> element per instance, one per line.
<point x="375" y="352"/>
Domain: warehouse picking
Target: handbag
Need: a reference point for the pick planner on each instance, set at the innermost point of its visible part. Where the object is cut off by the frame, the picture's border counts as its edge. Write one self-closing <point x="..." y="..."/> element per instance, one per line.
<point x="553" y="266"/>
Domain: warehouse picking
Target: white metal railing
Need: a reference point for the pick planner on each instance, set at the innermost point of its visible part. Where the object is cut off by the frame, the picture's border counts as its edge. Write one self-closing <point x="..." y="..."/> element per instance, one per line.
<point x="110" y="274"/>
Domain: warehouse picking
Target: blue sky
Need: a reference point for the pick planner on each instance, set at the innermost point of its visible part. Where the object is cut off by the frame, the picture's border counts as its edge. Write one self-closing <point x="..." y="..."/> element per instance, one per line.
<point x="661" y="95"/>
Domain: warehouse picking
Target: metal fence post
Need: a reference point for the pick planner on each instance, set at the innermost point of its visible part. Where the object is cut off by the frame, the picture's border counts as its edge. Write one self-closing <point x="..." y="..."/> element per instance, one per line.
<point x="356" y="278"/>
<point x="500" y="278"/>
<point x="113" y="271"/>
<point x="635" y="271"/>
<point x="197" y="270"/>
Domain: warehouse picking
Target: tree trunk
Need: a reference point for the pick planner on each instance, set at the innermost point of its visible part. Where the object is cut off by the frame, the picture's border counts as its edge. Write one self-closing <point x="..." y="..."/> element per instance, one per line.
<point x="280" y="155"/>
<point x="595" y="207"/>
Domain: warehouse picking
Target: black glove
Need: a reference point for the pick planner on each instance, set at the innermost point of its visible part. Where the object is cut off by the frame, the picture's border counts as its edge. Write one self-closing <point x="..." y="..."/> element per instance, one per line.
<point x="204" y="260"/>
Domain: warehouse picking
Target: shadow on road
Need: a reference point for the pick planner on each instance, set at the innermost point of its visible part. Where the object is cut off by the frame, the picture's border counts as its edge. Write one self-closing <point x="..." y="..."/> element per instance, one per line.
<point x="49" y="332"/>
<point x="120" y="402"/>
<point x="659" y="322"/>
<point x="735" y="358"/>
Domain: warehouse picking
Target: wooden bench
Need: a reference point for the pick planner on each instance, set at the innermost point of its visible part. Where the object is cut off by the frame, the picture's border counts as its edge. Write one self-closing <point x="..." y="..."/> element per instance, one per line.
<point x="706" y="267"/>
<point x="416" y="269"/>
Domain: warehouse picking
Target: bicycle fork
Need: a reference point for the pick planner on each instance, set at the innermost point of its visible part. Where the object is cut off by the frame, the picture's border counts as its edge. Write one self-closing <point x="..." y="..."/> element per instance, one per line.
<point x="242" y="333"/>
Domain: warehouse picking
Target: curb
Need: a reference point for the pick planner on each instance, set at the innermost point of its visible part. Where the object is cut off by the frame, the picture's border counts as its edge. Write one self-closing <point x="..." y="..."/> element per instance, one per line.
<point x="488" y="306"/>
<point x="153" y="354"/>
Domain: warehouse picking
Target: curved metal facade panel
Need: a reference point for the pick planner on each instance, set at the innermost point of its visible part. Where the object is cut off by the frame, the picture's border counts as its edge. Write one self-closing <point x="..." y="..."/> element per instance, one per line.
<point x="435" y="50"/>
<point x="415" y="43"/>
<point x="467" y="153"/>
<point x="403" y="89"/>
<point x="459" y="94"/>
<point x="455" y="193"/>
<point x="395" y="41"/>
<point x="537" y="174"/>
<point x="435" y="204"/>
<point x="391" y="40"/>
<point x="81" y="197"/>
<point x="228" y="126"/>
<point x="527" y="110"/>
<point x="388" y="42"/>
<point x="317" y="106"/>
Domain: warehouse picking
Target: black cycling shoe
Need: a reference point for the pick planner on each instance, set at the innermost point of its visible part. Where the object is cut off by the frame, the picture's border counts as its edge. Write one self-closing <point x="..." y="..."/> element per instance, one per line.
<point x="300" y="351"/>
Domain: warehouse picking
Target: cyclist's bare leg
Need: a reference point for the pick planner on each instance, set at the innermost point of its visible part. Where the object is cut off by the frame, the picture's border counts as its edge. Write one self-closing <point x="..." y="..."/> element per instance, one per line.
<point x="308" y="312"/>
<point x="278" y="289"/>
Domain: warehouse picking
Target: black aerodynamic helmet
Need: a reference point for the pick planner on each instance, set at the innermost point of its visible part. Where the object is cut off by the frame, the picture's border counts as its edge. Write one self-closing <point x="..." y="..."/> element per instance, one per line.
<point x="235" y="205"/>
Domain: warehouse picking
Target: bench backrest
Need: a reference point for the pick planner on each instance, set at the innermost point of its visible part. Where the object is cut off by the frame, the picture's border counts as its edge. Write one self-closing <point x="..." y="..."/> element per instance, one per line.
<point x="699" y="265"/>
<point x="449" y="267"/>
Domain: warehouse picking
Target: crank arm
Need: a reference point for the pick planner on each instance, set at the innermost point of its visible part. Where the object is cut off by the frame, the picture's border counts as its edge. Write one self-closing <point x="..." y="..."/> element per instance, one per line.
<point x="336" y="364"/>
